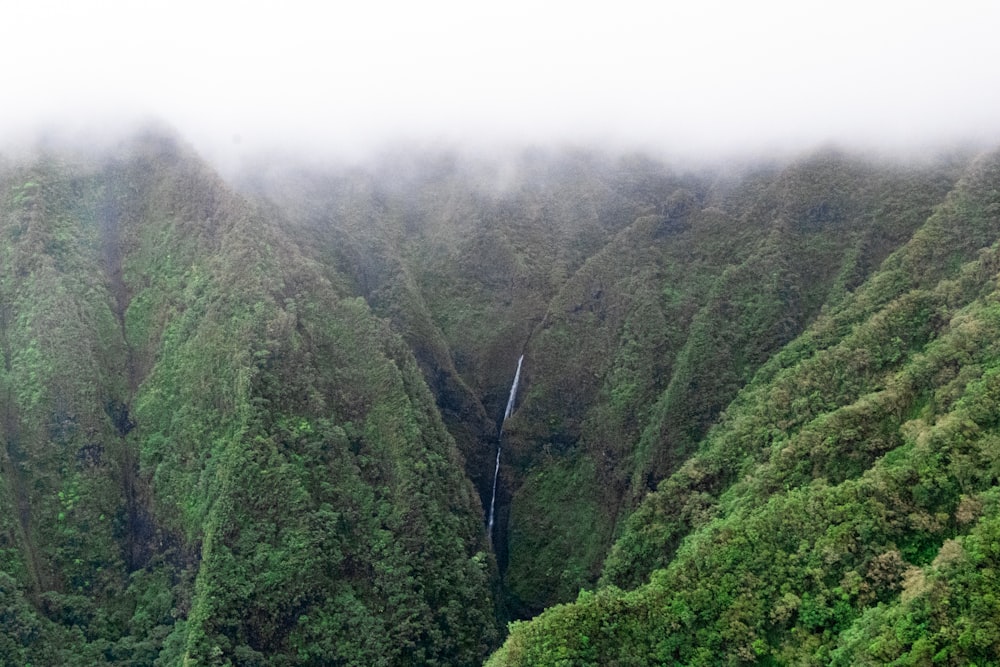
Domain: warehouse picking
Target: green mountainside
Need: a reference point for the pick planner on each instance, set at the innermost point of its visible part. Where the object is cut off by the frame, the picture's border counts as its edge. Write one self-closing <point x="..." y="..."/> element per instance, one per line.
<point x="843" y="509"/>
<point x="256" y="422"/>
<point x="214" y="454"/>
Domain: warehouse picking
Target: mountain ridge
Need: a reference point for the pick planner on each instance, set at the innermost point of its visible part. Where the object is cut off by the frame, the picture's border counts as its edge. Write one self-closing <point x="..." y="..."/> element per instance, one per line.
<point x="256" y="422"/>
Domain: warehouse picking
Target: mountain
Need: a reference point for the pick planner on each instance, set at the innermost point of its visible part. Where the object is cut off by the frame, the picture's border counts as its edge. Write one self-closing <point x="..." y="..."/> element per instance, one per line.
<point x="842" y="509"/>
<point x="256" y="422"/>
<point x="214" y="454"/>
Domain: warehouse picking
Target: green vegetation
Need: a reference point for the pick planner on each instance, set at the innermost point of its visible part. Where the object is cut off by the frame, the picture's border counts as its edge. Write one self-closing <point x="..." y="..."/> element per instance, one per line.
<point x="211" y="454"/>
<point x="546" y="514"/>
<point x="836" y="513"/>
<point x="257" y="424"/>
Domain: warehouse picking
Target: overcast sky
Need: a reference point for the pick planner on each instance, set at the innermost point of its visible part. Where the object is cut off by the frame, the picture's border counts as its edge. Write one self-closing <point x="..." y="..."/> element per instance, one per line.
<point x="686" y="76"/>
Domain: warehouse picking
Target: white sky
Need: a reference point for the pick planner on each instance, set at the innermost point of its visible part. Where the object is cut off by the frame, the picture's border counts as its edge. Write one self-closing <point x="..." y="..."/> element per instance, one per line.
<point x="686" y="76"/>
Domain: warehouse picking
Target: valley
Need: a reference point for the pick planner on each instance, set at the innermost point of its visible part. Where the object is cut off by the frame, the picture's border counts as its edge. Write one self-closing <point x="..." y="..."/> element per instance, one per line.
<point x="258" y="420"/>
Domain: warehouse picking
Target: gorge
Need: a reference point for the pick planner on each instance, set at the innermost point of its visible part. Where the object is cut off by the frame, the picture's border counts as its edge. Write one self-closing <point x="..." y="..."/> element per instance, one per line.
<point x="253" y="420"/>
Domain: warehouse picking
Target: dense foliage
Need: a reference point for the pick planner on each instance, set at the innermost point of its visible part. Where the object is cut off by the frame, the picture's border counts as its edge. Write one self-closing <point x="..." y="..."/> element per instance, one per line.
<point x="257" y="424"/>
<point x="839" y="512"/>
<point x="212" y="455"/>
<point x="645" y="298"/>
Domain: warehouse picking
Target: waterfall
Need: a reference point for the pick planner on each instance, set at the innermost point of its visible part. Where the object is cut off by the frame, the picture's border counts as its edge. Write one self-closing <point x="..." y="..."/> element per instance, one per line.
<point x="496" y="470"/>
<point x="513" y="392"/>
<point x="493" y="498"/>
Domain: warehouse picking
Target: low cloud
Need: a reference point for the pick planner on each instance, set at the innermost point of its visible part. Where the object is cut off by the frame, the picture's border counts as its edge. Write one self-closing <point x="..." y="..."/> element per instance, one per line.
<point x="713" y="77"/>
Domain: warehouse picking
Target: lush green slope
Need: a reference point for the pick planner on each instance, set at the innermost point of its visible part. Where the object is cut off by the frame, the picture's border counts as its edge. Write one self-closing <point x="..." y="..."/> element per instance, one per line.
<point x="645" y="298"/>
<point x="841" y="510"/>
<point x="259" y="426"/>
<point x="463" y="256"/>
<point x="656" y="334"/>
<point x="213" y="455"/>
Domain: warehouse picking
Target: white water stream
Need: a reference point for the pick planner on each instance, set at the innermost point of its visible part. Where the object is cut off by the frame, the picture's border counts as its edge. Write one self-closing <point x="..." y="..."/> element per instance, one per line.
<point x="496" y="470"/>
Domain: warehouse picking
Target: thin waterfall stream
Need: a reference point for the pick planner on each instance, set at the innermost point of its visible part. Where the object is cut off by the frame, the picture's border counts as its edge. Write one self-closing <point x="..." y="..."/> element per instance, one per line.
<point x="496" y="470"/>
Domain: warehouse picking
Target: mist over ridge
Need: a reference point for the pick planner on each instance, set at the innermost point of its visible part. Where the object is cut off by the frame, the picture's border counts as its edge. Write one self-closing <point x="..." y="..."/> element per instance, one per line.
<point x="713" y="79"/>
<point x="266" y="274"/>
<point x="278" y="388"/>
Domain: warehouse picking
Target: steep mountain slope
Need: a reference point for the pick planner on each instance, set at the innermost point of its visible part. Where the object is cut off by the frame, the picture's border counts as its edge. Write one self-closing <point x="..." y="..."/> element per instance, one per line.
<point x="211" y="453"/>
<point x="842" y="509"/>
<point x="649" y="353"/>
<point x="257" y="424"/>
<point x="643" y="297"/>
<point x="463" y="255"/>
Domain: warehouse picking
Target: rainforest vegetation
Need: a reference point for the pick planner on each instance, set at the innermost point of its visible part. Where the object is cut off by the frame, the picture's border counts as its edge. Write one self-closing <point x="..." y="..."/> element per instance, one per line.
<point x="254" y="421"/>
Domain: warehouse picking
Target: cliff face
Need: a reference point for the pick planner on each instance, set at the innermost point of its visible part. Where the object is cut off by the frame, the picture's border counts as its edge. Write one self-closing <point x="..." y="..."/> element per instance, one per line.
<point x="257" y="424"/>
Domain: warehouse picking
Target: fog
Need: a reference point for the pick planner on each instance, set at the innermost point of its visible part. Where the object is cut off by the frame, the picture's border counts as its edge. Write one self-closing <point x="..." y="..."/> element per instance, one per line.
<point x="691" y="78"/>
